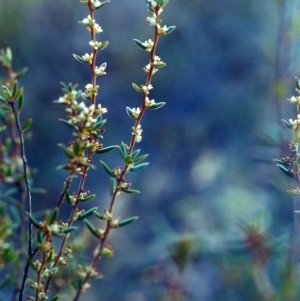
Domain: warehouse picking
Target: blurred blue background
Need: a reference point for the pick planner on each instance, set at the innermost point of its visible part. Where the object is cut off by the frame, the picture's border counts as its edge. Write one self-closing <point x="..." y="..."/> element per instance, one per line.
<point x="230" y="68"/>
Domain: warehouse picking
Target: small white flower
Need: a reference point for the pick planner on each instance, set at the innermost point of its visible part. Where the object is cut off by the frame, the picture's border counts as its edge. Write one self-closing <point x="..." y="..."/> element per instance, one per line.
<point x="146" y="88"/>
<point x="149" y="45"/>
<point x="161" y="30"/>
<point x="97" y="28"/>
<point x="95" y="3"/>
<point x="88" y="58"/>
<point x="100" y="70"/>
<point x="135" y="112"/>
<point x="294" y="100"/>
<point x="147" y="69"/>
<point x="137" y="132"/>
<point x="149" y="103"/>
<point x="95" y="45"/>
<point x="152" y="21"/>
<point x="88" y="21"/>
<point x="100" y="110"/>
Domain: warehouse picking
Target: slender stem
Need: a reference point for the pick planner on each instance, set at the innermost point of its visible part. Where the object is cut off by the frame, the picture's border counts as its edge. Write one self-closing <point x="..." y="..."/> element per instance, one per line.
<point x="28" y="193"/>
<point x="125" y="169"/>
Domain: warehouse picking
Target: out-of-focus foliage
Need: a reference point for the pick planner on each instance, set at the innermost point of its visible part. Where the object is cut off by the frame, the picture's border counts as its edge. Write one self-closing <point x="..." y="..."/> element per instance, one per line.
<point x="211" y="150"/>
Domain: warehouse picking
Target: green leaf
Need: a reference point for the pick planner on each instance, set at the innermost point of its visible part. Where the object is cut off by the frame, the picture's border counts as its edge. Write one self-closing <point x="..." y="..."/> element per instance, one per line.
<point x="170" y="29"/>
<point x="21" y="101"/>
<point x="37" y="190"/>
<point x="33" y="220"/>
<point x="123" y="150"/>
<point x="9" y="54"/>
<point x="80" y="59"/>
<point x="282" y="162"/>
<point x="104" y="44"/>
<point x="91" y="228"/>
<point x="106" y="149"/>
<point x="164" y="3"/>
<point x="8" y="199"/>
<point x="138" y="167"/>
<point x="55" y="298"/>
<point x="2" y="99"/>
<point x="140" y="159"/>
<point x="2" y="129"/>
<point x="21" y="72"/>
<point x="16" y="215"/>
<point x="127" y="221"/>
<point x="27" y="125"/>
<point x="135" y="154"/>
<point x="87" y="213"/>
<point x="68" y="152"/>
<point x="128" y="160"/>
<point x="76" y="148"/>
<point x="137" y="88"/>
<point x="15" y="89"/>
<point x="6" y="281"/>
<point x="132" y="191"/>
<point x="85" y="96"/>
<point x="287" y="124"/>
<point x="88" y="198"/>
<point x="156" y="106"/>
<point x="68" y="197"/>
<point x="140" y="44"/>
<point x="72" y="126"/>
<point x="6" y="93"/>
<point x="102" y="4"/>
<point x="39" y="237"/>
<point x="285" y="170"/>
<point x="69" y="230"/>
<point x="53" y="216"/>
<point x="297" y="83"/>
<point x="99" y="124"/>
<point x="108" y="170"/>
<point x="99" y="215"/>
<point x="129" y="112"/>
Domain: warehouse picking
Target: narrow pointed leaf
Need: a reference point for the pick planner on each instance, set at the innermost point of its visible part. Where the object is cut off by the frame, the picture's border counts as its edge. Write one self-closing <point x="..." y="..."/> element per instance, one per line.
<point x="137" y="88"/>
<point x="69" y="230"/>
<point x="106" y="149"/>
<point x="88" y="198"/>
<point x="140" y="44"/>
<point x="123" y="150"/>
<point x="107" y="169"/>
<point x="80" y="59"/>
<point x="133" y="191"/>
<point x="27" y="125"/>
<point x="54" y="216"/>
<point x="170" y="29"/>
<point x="33" y="220"/>
<point x="286" y="124"/>
<point x="157" y="105"/>
<point x="87" y="213"/>
<point x="91" y="228"/>
<point x="72" y="126"/>
<point x="104" y="45"/>
<point x="135" y="154"/>
<point x="127" y="221"/>
<point x="99" y="215"/>
<point x="285" y="170"/>
<point x="140" y="159"/>
<point x="138" y="167"/>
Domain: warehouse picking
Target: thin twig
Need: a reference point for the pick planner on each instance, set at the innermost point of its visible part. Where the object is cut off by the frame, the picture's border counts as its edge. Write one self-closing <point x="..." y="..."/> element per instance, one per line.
<point x="28" y="195"/>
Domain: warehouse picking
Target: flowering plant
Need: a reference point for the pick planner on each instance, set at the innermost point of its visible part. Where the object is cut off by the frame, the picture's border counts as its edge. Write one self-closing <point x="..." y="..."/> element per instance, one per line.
<point x="47" y="249"/>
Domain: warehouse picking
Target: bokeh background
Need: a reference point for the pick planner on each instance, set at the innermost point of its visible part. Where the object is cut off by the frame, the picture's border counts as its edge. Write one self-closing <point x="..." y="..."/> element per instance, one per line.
<point x="230" y="68"/>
